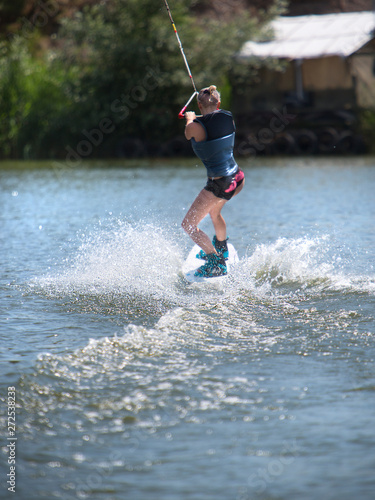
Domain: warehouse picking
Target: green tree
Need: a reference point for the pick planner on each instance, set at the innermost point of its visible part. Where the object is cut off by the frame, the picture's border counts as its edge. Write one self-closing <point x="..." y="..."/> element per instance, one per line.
<point x="34" y="107"/>
<point x="119" y="45"/>
<point x="115" y="67"/>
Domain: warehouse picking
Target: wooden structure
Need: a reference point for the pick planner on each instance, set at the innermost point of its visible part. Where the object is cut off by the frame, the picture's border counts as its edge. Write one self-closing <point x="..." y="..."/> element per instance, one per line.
<point x="328" y="77"/>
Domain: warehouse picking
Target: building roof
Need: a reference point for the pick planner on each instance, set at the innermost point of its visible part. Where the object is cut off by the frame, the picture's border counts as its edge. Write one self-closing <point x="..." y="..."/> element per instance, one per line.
<point x="309" y="37"/>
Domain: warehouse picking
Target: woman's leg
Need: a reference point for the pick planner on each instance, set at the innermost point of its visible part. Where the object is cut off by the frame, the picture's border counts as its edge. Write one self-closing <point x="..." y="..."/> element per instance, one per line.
<point x="219" y="222"/>
<point x="239" y="188"/>
<point x="205" y="203"/>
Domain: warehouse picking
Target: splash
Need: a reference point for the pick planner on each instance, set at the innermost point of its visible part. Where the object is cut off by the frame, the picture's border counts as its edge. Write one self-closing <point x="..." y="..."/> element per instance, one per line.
<point x="122" y="261"/>
<point x="289" y="265"/>
<point x="136" y="270"/>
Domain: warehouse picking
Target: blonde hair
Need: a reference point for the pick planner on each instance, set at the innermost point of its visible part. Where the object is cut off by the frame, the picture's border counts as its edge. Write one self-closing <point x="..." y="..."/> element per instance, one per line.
<point x="209" y="96"/>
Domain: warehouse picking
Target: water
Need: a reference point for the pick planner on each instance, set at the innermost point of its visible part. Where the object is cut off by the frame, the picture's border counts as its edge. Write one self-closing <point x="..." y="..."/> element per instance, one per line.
<point x="131" y="384"/>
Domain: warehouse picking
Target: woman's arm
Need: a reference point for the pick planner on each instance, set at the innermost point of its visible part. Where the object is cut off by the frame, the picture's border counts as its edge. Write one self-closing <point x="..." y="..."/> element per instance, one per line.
<point x="193" y="129"/>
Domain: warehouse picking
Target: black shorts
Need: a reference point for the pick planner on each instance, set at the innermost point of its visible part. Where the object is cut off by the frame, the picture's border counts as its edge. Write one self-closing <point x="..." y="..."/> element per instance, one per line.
<point x="225" y="187"/>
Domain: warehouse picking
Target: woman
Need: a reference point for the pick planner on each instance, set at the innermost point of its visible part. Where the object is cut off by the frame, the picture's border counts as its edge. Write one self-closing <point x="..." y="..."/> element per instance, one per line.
<point x="212" y="139"/>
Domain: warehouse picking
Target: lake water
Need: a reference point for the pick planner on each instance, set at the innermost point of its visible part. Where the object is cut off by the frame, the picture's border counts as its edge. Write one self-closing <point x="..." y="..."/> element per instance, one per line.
<point x="133" y="385"/>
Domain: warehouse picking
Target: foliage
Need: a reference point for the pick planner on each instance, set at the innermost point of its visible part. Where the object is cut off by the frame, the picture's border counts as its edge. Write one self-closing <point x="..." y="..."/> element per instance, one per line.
<point x="367" y="128"/>
<point x="115" y="67"/>
<point x="118" y="45"/>
<point x="33" y="106"/>
<point x="10" y="10"/>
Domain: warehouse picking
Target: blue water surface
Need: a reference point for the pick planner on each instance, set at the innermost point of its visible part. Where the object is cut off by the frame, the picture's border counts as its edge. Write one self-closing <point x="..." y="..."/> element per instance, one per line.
<point x="132" y="384"/>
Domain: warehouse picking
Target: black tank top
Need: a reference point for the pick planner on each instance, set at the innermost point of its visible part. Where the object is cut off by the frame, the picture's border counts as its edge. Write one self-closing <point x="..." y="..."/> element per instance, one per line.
<point x="217" y="124"/>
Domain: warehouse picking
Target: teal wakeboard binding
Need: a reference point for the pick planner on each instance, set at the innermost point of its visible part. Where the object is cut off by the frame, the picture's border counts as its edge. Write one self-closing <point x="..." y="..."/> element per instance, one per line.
<point x="215" y="266"/>
<point x="220" y="246"/>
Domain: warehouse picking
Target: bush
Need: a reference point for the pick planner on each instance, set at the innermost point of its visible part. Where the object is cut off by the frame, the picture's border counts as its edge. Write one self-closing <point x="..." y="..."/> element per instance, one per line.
<point x="33" y="105"/>
<point x="115" y="65"/>
<point x="367" y="129"/>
